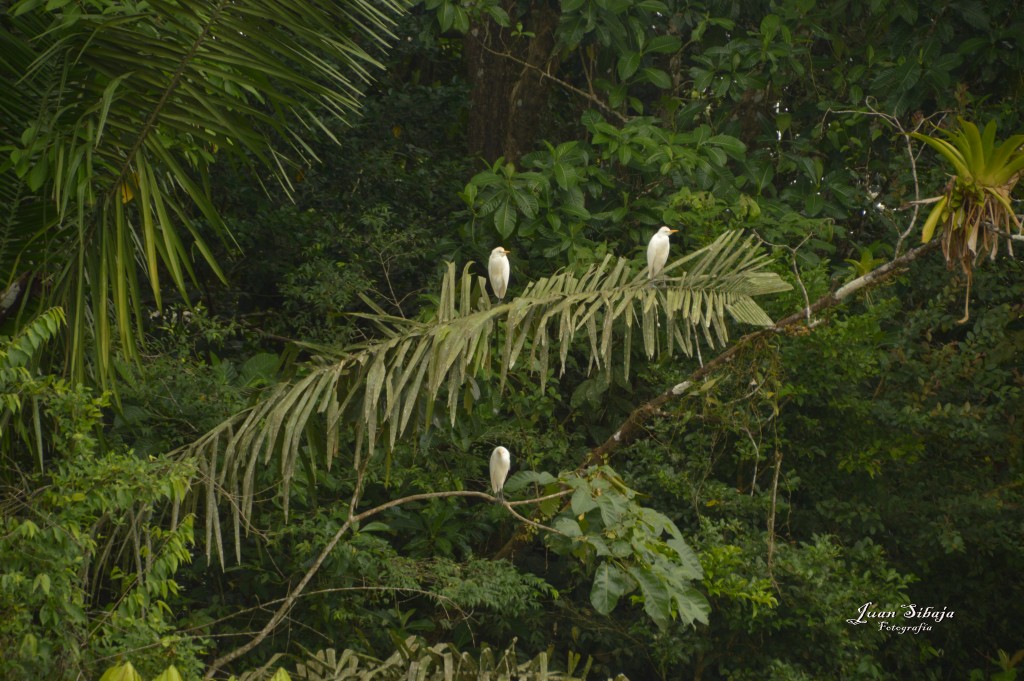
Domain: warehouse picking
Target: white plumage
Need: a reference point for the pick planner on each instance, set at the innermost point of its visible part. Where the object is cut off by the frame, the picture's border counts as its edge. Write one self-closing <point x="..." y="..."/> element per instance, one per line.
<point x="498" y="271"/>
<point x="657" y="251"/>
<point x="501" y="461"/>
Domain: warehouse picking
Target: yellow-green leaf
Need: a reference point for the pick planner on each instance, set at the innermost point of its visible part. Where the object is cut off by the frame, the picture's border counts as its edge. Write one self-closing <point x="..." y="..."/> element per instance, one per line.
<point x="933" y="219"/>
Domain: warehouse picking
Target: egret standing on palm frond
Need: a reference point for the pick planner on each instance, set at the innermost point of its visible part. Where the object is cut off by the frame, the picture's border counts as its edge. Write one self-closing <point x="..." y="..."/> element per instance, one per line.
<point x="657" y="251"/>
<point x="498" y="271"/>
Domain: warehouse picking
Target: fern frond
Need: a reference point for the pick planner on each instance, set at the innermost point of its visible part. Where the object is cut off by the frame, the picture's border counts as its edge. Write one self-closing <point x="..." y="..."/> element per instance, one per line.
<point x="26" y="342"/>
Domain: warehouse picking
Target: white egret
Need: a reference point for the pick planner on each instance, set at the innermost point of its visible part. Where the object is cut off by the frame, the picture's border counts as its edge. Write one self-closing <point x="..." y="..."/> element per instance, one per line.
<point x="498" y="270"/>
<point x="657" y="251"/>
<point x="501" y="461"/>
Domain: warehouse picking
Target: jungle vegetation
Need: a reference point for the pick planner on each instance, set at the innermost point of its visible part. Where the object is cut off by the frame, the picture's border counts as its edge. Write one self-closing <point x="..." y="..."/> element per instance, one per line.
<point x="251" y="370"/>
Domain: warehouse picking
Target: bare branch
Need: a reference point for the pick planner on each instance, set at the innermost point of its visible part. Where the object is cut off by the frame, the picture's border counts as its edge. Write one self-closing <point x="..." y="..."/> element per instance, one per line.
<point x="568" y="86"/>
<point x="796" y="270"/>
<point x="894" y="121"/>
<point x="288" y="602"/>
<point x="771" y="515"/>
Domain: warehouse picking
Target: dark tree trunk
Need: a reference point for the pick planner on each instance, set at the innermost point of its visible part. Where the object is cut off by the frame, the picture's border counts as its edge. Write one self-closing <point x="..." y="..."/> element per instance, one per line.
<point x="510" y="93"/>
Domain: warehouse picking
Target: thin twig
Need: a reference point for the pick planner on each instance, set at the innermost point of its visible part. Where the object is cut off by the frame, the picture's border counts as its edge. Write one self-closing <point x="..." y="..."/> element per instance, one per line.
<point x="796" y="270"/>
<point x="757" y="458"/>
<point x="771" y="514"/>
<point x="895" y="123"/>
<point x="526" y="520"/>
<point x="568" y="86"/>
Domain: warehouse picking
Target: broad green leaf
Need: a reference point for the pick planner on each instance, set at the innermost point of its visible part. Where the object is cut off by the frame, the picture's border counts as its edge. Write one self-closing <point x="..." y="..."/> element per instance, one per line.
<point x="656" y="597"/>
<point x="446" y="15"/>
<point x="42" y="583"/>
<point x="613" y="506"/>
<point x="169" y="674"/>
<point x="564" y="175"/>
<point x="691" y="605"/>
<point x="499" y="15"/>
<point x="729" y="144"/>
<point x="610" y="584"/>
<point x="689" y="563"/>
<point x="568" y="526"/>
<point x="769" y="27"/>
<point x="657" y="77"/>
<point x="628" y="64"/>
<point x="526" y="202"/>
<point x="520" y="479"/>
<point x="461" y="22"/>
<point x="121" y="672"/>
<point x="583" y="500"/>
<point x="505" y="219"/>
<point x="663" y="44"/>
<point x="813" y="204"/>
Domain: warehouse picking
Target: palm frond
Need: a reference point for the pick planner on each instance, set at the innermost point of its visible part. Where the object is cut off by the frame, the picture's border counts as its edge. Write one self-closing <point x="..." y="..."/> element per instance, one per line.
<point x="415" y="659"/>
<point x="18" y="385"/>
<point x="124" y="109"/>
<point x="372" y="392"/>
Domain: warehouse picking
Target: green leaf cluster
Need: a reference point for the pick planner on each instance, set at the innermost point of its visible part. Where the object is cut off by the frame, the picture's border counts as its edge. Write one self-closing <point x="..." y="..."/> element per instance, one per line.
<point x="624" y="544"/>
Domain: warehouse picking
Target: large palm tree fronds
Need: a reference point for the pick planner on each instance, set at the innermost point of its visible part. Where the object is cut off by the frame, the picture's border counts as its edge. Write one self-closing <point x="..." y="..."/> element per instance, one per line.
<point x="123" y="108"/>
<point x="375" y="390"/>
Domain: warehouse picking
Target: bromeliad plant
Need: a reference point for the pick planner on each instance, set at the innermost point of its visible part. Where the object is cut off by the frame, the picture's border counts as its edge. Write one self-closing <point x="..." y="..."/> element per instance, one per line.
<point x="975" y="211"/>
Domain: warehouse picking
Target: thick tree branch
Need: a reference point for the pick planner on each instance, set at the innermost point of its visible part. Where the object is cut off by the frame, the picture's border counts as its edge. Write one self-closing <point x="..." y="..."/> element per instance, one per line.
<point x="632" y="427"/>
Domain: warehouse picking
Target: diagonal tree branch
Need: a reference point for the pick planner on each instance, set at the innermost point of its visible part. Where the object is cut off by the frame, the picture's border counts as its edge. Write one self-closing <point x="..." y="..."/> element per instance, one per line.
<point x="633" y="428"/>
<point x="543" y="74"/>
<point x="293" y="596"/>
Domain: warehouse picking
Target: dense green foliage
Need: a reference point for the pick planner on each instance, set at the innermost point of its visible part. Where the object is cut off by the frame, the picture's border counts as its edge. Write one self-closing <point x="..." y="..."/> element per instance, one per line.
<point x="315" y="358"/>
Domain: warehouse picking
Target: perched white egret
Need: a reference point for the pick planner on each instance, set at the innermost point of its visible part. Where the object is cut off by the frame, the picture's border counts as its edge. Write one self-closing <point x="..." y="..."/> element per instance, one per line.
<point x="657" y="251"/>
<point x="497" y="270"/>
<point x="501" y="461"/>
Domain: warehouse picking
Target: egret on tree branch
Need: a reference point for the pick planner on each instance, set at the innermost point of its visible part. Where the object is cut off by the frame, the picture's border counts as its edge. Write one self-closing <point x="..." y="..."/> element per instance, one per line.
<point x="657" y="251"/>
<point x="501" y="461"/>
<point x="498" y="270"/>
